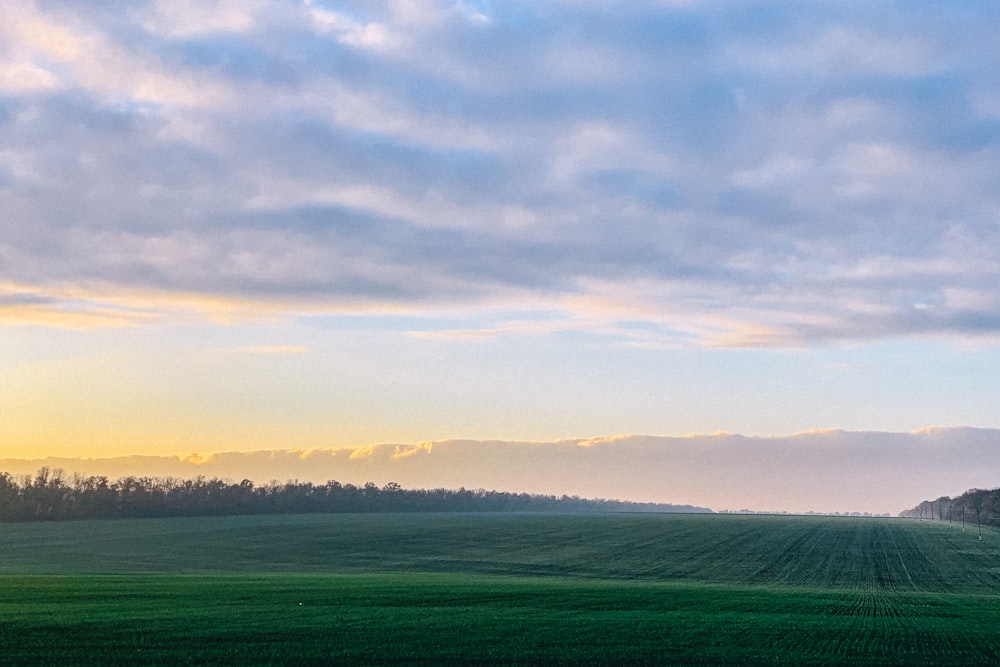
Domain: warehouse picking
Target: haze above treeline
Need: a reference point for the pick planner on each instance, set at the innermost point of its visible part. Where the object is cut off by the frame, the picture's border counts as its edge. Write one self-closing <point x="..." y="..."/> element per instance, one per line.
<point x="822" y="471"/>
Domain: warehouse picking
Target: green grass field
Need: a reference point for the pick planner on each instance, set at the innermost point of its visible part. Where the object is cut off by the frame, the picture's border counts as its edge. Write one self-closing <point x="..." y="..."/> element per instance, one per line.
<point x="499" y="589"/>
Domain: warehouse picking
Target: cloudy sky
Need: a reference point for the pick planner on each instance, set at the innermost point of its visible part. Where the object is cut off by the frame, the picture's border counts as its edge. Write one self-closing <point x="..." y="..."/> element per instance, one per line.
<point x="259" y="224"/>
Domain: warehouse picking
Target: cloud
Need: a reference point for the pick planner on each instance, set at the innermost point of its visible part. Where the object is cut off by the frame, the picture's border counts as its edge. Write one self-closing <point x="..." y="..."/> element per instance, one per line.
<point x="26" y="78"/>
<point x="64" y="308"/>
<point x="184" y="18"/>
<point x="350" y="32"/>
<point x="785" y="176"/>
<point x="820" y="470"/>
<point x="363" y="452"/>
<point x="406" y="451"/>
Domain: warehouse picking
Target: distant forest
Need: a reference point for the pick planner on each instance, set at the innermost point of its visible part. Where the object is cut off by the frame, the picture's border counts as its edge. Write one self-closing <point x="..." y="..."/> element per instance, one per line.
<point x="980" y="507"/>
<point x="51" y="496"/>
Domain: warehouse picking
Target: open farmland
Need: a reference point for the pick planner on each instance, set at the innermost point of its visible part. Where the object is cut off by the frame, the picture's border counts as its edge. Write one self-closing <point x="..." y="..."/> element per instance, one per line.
<point x="501" y="589"/>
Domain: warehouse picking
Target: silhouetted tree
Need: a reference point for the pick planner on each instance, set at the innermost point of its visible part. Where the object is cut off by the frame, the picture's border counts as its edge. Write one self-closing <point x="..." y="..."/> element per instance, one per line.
<point x="48" y="496"/>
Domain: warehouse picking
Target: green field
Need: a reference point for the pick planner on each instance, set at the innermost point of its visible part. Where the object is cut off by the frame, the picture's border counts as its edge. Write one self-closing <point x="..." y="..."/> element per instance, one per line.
<point x="499" y="589"/>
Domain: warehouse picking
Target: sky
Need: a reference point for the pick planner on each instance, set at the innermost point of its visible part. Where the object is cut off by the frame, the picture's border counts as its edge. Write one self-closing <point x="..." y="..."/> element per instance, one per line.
<point x="263" y="226"/>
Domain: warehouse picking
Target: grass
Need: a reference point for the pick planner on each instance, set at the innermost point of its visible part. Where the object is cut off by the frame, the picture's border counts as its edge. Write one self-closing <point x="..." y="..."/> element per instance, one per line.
<point x="499" y="589"/>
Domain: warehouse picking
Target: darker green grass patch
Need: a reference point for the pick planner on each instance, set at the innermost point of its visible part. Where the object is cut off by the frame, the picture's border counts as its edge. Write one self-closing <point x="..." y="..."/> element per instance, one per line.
<point x="474" y="619"/>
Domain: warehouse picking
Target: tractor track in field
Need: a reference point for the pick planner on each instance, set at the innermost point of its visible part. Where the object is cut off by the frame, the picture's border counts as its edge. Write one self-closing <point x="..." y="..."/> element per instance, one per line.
<point x="888" y="573"/>
<point x="902" y="562"/>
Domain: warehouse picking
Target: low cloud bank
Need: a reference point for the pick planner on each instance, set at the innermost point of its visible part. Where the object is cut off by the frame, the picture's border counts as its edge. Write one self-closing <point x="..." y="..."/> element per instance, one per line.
<point x="831" y="471"/>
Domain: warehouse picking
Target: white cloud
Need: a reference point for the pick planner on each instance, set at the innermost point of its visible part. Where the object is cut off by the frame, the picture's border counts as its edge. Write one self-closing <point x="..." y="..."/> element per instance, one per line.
<point x="186" y="18"/>
<point x="63" y="50"/>
<point x="20" y="78"/>
<point x="348" y="31"/>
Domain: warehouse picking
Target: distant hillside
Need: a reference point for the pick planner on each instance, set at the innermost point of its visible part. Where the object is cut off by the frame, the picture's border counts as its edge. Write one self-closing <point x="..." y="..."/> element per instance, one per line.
<point x="49" y="496"/>
<point x="979" y="506"/>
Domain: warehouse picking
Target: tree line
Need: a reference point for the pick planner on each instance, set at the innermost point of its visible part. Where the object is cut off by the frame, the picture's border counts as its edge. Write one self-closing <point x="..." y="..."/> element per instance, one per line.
<point x="50" y="495"/>
<point x="978" y="507"/>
